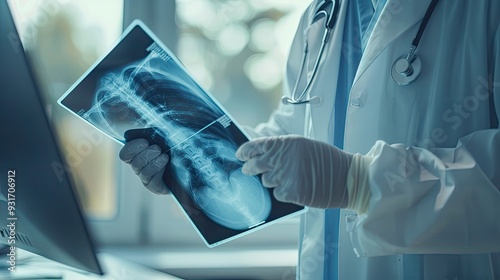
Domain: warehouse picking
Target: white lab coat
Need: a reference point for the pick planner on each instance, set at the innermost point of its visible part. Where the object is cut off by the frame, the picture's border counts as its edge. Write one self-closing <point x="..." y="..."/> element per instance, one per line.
<point x="435" y="177"/>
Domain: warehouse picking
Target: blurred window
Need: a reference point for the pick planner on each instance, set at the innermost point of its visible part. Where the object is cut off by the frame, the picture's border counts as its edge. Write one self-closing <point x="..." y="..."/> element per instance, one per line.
<point x="63" y="39"/>
<point x="237" y="49"/>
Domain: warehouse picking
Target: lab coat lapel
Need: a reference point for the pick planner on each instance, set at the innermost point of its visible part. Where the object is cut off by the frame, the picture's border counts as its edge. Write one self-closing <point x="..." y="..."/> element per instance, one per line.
<point x="329" y="72"/>
<point x="396" y="17"/>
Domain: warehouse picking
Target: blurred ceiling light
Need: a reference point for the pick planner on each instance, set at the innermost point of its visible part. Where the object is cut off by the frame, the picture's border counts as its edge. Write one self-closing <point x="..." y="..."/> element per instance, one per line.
<point x="282" y="5"/>
<point x="198" y="13"/>
<point x="233" y="38"/>
<point x="236" y="10"/>
<point x="263" y="71"/>
<point x="263" y="37"/>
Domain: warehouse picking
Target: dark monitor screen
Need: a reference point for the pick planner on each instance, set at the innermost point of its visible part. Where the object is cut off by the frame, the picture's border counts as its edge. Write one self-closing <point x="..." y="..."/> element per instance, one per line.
<point x="39" y="211"/>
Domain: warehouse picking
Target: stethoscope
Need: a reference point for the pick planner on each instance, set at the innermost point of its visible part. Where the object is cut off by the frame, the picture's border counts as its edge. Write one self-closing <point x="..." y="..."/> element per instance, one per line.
<point x="328" y="10"/>
<point x="404" y="71"/>
<point x="407" y="68"/>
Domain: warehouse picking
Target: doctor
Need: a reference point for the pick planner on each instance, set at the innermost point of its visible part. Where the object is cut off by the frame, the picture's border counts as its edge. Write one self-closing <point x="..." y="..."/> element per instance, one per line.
<point x="410" y="154"/>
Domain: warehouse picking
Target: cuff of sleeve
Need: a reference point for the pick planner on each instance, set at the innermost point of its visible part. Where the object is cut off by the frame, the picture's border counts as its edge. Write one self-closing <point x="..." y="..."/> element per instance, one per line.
<point x="358" y="188"/>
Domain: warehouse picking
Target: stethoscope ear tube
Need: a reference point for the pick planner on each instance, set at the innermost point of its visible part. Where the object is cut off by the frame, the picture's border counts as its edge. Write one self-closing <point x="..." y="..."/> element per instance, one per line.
<point x="329" y="10"/>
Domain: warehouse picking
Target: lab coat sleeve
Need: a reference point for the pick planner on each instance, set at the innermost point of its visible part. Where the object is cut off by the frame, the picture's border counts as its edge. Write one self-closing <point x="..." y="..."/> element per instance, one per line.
<point x="284" y="120"/>
<point x="432" y="201"/>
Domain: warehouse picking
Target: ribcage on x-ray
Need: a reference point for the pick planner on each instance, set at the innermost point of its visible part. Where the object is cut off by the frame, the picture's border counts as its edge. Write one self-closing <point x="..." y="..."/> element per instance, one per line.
<point x="145" y="94"/>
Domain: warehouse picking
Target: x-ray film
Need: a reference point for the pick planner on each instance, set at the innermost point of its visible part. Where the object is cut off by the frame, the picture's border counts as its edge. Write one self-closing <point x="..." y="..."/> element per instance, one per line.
<point x="140" y="84"/>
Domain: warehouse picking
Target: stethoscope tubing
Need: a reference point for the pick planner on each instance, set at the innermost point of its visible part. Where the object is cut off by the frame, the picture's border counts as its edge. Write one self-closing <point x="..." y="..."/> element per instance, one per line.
<point x="406" y="69"/>
<point x="410" y="57"/>
<point x="423" y="25"/>
<point x="329" y="24"/>
<point x="310" y="80"/>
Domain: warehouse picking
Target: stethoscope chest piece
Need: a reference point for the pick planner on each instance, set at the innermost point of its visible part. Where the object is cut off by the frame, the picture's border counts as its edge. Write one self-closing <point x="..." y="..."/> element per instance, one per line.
<point x="407" y="68"/>
<point x="405" y="71"/>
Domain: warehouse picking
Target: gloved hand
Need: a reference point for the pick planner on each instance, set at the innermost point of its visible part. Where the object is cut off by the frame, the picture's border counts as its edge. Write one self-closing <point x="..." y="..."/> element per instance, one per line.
<point x="301" y="170"/>
<point x="148" y="162"/>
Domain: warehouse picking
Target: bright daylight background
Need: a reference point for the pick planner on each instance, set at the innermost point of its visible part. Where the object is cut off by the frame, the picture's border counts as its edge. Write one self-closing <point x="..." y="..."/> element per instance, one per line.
<point x="235" y="48"/>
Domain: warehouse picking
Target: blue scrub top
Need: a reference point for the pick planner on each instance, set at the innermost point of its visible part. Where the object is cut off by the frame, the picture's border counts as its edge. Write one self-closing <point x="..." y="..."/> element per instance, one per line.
<point x="360" y="19"/>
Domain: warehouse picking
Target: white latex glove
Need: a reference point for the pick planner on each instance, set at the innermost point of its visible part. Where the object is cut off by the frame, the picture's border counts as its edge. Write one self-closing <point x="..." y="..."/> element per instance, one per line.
<point x="148" y="162"/>
<point x="301" y="170"/>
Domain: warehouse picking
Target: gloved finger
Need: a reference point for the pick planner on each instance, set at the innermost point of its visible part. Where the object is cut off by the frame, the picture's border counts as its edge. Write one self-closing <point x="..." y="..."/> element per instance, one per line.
<point x="152" y="168"/>
<point x="255" y="147"/>
<point x="144" y="157"/>
<point x="271" y="180"/>
<point x="258" y="165"/>
<point x="152" y="134"/>
<point x="284" y="194"/>
<point x="132" y="149"/>
<point x="157" y="185"/>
